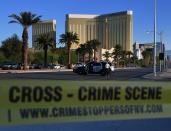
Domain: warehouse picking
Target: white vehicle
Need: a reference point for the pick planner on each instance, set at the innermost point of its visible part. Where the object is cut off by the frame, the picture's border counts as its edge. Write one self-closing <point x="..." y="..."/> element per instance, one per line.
<point x="56" y="66"/>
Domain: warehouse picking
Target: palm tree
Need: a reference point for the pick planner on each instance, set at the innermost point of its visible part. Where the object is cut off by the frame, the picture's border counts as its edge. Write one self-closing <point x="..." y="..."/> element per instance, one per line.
<point x="124" y="58"/>
<point x="68" y="39"/>
<point x="83" y="51"/>
<point x="78" y="52"/>
<point x="107" y="55"/>
<point x="94" y="43"/>
<point x="44" y="42"/>
<point x="89" y="50"/>
<point x="53" y="57"/>
<point x="117" y="53"/>
<point x="134" y="59"/>
<point x="129" y="54"/>
<point x="26" y="19"/>
<point x="146" y="56"/>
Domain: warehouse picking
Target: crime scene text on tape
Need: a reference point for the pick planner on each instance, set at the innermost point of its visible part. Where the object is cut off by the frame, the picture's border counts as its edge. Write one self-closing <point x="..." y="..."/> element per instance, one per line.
<point x="31" y="102"/>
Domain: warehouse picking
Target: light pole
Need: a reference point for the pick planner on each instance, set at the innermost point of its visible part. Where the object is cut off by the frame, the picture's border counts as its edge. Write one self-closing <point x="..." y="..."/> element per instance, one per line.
<point x="155" y="28"/>
<point x="161" y="45"/>
<point x="161" y="49"/>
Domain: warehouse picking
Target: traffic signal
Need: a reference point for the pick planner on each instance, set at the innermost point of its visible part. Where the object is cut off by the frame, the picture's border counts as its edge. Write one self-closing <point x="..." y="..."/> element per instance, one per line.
<point x="161" y="56"/>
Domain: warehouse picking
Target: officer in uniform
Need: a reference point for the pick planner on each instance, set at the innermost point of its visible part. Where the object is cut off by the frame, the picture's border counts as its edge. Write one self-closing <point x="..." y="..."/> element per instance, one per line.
<point x="107" y="69"/>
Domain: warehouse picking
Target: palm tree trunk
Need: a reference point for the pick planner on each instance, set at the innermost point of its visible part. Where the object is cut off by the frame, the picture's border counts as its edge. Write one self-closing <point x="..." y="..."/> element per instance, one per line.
<point x="69" y="58"/>
<point x="117" y="62"/>
<point x="129" y="57"/>
<point x="78" y="58"/>
<point x="25" y="47"/>
<point x="89" y="56"/>
<point x="94" y="55"/>
<point x="45" y="57"/>
<point x="83" y="58"/>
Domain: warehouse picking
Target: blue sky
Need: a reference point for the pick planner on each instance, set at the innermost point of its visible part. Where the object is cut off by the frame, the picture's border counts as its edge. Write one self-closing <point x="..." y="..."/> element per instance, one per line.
<point x="56" y="9"/>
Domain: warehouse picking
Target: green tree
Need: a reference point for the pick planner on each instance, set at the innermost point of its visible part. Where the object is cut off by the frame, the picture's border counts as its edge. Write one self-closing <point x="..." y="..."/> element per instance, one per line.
<point x="54" y="55"/>
<point x="117" y="54"/>
<point x="147" y="55"/>
<point x="89" y="50"/>
<point x="62" y="55"/>
<point x="135" y="59"/>
<point x="25" y="19"/>
<point x="44" y="42"/>
<point x="11" y="49"/>
<point x="83" y="51"/>
<point x="73" y="56"/>
<point x="107" y="55"/>
<point x="78" y="52"/>
<point x="129" y="54"/>
<point x="2" y="57"/>
<point x="38" y="58"/>
<point x="68" y="39"/>
<point x="124" y="58"/>
<point x="95" y="44"/>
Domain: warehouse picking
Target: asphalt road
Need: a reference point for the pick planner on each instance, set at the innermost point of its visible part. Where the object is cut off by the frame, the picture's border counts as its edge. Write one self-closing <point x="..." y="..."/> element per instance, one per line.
<point x="120" y="74"/>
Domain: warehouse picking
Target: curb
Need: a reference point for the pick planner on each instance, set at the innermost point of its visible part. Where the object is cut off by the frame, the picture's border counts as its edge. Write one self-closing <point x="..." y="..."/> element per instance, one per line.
<point x="160" y="76"/>
<point x="32" y="71"/>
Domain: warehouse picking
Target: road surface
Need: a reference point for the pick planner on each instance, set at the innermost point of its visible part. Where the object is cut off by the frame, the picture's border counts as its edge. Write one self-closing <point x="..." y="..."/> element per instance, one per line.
<point x="120" y="74"/>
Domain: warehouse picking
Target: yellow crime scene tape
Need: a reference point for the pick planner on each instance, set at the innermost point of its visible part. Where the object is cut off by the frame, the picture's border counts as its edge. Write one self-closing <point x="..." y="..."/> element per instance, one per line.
<point x="50" y="101"/>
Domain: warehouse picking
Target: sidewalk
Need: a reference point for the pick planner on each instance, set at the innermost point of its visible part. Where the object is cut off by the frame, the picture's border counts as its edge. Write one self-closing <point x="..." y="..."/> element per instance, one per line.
<point x="166" y="75"/>
<point x="34" y="71"/>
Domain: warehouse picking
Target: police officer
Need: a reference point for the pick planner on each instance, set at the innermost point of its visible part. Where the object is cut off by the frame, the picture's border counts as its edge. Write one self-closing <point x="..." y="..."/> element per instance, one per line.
<point x="107" y="69"/>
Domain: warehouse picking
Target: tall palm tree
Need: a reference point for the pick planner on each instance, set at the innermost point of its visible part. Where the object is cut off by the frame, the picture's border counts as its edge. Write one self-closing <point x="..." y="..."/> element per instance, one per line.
<point x="124" y="58"/>
<point x="83" y="51"/>
<point x="95" y="44"/>
<point x="26" y="19"/>
<point x="68" y="39"/>
<point x="129" y="54"/>
<point x="117" y="53"/>
<point x="107" y="55"/>
<point x="89" y="50"/>
<point x="44" y="42"/>
<point x="78" y="51"/>
<point x="147" y="55"/>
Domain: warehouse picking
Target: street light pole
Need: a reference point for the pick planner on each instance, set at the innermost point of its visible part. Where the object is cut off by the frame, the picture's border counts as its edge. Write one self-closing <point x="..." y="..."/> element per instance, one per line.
<point x="161" y="50"/>
<point x="155" y="13"/>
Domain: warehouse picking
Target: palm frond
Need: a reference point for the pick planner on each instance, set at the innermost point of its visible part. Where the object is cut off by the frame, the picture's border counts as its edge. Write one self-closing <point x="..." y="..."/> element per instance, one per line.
<point x="16" y="18"/>
<point x="13" y="21"/>
<point x="25" y="18"/>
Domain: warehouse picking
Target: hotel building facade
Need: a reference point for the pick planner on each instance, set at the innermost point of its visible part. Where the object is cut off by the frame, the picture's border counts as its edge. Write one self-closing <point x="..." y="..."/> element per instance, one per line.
<point x="44" y="27"/>
<point x="108" y="29"/>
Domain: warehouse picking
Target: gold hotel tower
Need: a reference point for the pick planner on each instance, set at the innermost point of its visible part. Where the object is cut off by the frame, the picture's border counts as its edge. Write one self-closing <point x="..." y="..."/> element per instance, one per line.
<point x="43" y="27"/>
<point x="109" y="29"/>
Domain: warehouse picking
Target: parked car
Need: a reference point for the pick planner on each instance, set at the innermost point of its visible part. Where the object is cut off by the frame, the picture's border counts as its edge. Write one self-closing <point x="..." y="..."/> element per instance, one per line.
<point x="93" y="68"/>
<point x="54" y="66"/>
<point x="16" y="66"/>
<point x="6" y="66"/>
<point x="62" y="67"/>
<point x="75" y="67"/>
<point x="37" y="66"/>
<point x="1" y="65"/>
<point x="32" y="66"/>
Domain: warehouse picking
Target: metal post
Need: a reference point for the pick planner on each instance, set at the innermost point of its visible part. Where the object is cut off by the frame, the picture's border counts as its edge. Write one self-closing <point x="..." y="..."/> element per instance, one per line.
<point x="155" y="37"/>
<point x="106" y="29"/>
<point x="161" y="51"/>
